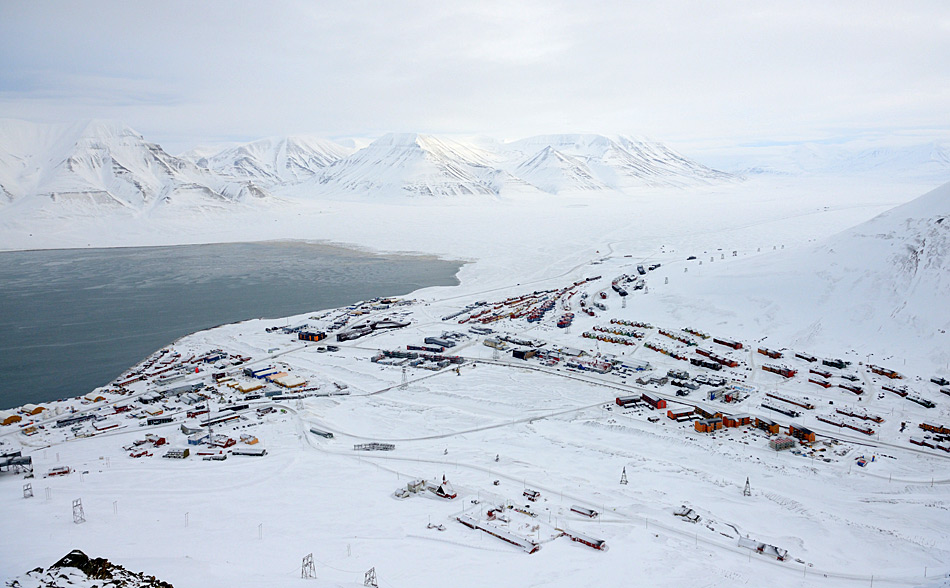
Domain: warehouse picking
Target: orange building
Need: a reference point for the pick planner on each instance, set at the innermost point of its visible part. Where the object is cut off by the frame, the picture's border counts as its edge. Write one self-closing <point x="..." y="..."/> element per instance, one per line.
<point x="708" y="425"/>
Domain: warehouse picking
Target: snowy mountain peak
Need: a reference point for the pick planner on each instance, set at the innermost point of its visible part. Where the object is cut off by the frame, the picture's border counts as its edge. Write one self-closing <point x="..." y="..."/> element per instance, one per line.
<point x="553" y="171"/>
<point x="611" y="162"/>
<point x="414" y="164"/>
<point x="287" y="160"/>
<point x="98" y="165"/>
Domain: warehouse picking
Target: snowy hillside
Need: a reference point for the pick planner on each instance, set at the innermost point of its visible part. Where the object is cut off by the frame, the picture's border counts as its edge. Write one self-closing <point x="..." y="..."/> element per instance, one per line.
<point x="103" y="166"/>
<point x="899" y="262"/>
<point x="887" y="278"/>
<point x="276" y="160"/>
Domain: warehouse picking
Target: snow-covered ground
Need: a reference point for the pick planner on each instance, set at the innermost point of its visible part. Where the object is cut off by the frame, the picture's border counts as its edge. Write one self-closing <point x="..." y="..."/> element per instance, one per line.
<point x="553" y="429"/>
<point x="792" y="263"/>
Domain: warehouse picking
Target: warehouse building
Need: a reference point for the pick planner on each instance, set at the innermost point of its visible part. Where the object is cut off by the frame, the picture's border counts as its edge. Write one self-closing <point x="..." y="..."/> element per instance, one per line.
<point x="246" y="387"/>
<point x="290" y="381"/>
<point x="32" y="409"/>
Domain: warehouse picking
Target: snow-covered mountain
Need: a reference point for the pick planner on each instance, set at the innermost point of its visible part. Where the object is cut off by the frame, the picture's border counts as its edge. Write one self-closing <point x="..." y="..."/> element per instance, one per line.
<point x="418" y="165"/>
<point x="109" y="165"/>
<point x="552" y="171"/>
<point x="100" y="165"/>
<point x="103" y="166"/>
<point x="425" y="165"/>
<point x="287" y="160"/>
<point x="558" y="163"/>
<point x="926" y="161"/>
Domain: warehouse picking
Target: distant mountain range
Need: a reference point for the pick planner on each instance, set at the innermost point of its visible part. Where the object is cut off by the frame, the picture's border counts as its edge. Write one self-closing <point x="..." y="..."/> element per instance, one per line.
<point x="109" y="166"/>
<point x="929" y="160"/>
<point x="97" y="166"/>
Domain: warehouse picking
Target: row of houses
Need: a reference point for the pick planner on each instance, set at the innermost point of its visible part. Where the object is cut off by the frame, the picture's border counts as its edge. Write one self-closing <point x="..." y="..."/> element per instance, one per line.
<point x="726" y="361"/>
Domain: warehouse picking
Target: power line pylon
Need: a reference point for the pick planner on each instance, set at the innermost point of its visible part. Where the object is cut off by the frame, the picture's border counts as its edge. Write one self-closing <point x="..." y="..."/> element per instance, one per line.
<point x="747" y="491"/>
<point x="78" y="515"/>
<point x="623" y="475"/>
<point x="307" y="569"/>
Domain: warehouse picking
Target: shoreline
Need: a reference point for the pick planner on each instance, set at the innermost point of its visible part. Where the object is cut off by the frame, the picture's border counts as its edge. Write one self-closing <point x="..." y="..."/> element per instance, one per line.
<point x="230" y="291"/>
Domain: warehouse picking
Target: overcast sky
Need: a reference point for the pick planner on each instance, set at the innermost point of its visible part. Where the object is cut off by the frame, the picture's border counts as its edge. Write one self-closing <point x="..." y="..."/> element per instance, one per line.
<point x="695" y="74"/>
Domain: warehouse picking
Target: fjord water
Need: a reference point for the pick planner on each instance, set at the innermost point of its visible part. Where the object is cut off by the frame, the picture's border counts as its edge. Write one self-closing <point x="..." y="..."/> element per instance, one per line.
<point x="72" y="320"/>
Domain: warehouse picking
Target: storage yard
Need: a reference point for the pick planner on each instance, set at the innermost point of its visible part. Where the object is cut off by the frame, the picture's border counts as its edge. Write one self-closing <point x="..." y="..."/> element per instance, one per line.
<point x="535" y="425"/>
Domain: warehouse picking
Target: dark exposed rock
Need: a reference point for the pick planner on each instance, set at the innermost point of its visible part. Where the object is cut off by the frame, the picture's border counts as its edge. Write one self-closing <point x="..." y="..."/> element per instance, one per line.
<point x="115" y="576"/>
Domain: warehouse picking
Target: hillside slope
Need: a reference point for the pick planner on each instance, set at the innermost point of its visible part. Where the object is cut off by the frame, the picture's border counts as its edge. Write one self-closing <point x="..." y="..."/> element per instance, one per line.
<point x="887" y="279"/>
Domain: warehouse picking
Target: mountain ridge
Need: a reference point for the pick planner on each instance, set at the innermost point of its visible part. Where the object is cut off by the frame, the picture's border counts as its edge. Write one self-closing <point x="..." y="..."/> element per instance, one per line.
<point x="102" y="164"/>
<point x="105" y="164"/>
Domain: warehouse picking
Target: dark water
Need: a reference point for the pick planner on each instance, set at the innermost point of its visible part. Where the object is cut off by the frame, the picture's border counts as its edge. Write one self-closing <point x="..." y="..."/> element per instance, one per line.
<point x="72" y="320"/>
